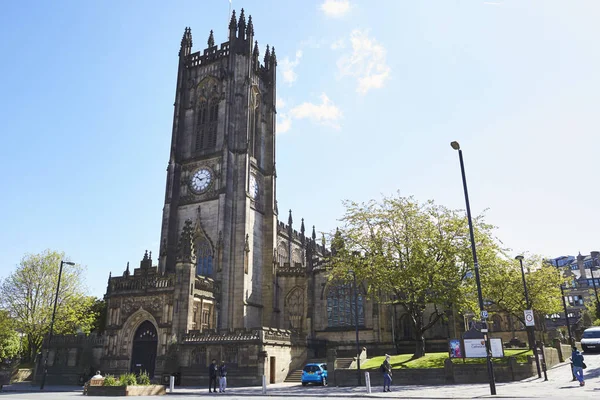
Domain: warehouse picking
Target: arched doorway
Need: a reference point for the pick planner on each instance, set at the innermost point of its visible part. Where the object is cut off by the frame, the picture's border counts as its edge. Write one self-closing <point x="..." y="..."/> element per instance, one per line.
<point x="143" y="353"/>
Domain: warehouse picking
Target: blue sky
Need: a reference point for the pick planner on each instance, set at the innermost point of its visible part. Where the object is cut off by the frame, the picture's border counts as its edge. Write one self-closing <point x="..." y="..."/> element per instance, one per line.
<point x="370" y="94"/>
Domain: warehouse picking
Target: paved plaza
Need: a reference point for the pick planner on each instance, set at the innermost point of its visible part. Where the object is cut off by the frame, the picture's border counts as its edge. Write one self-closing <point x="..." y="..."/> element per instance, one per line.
<point x="558" y="386"/>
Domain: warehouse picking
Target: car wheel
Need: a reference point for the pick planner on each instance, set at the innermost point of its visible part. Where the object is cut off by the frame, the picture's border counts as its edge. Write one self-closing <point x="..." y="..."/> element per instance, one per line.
<point x="304" y="383"/>
<point x="324" y="381"/>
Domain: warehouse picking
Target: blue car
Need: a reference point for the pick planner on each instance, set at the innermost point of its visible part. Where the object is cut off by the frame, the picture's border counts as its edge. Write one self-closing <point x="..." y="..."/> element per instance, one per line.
<point x="314" y="373"/>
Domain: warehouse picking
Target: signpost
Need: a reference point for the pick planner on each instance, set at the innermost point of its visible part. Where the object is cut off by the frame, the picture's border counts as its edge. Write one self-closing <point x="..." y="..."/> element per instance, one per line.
<point x="529" y="321"/>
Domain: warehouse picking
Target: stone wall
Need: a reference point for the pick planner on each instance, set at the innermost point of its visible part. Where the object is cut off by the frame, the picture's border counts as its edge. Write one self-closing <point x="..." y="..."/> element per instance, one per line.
<point x="452" y="373"/>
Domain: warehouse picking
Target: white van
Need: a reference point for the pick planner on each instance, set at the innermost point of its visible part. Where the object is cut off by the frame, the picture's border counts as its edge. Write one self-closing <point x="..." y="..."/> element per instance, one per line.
<point x="590" y="340"/>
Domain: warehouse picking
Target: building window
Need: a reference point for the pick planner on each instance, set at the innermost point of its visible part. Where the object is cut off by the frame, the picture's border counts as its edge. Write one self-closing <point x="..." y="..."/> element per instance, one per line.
<point x="341" y="302"/>
<point x="206" y="127"/>
<point x="204" y="258"/>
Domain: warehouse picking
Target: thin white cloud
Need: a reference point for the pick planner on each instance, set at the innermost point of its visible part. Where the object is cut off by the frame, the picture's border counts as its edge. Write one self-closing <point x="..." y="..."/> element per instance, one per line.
<point x="335" y="8"/>
<point x="338" y="44"/>
<point x="284" y="123"/>
<point x="326" y="113"/>
<point x="367" y="62"/>
<point x="286" y="66"/>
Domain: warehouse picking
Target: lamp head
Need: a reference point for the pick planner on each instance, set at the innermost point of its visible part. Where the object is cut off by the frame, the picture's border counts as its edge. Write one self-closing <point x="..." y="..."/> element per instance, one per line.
<point x="519" y="258"/>
<point x="455" y="145"/>
<point x="68" y="262"/>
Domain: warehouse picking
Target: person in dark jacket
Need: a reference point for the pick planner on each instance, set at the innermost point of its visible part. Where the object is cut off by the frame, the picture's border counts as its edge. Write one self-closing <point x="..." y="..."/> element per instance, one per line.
<point x="386" y="369"/>
<point x="212" y="376"/>
<point x="222" y="377"/>
<point x="577" y="360"/>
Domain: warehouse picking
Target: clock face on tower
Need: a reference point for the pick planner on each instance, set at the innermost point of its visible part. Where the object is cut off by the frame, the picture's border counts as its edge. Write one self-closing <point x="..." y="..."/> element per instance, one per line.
<point x="253" y="187"/>
<point x="201" y="180"/>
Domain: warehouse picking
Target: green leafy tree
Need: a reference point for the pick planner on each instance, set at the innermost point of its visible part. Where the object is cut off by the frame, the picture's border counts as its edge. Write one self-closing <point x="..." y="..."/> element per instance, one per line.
<point x="502" y="285"/>
<point x="28" y="295"/>
<point x="9" y="339"/>
<point x="417" y="252"/>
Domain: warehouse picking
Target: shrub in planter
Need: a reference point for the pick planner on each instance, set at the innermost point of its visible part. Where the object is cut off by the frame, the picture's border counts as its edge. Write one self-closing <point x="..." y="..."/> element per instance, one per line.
<point x="110" y="380"/>
<point x="143" y="379"/>
<point x="127" y="380"/>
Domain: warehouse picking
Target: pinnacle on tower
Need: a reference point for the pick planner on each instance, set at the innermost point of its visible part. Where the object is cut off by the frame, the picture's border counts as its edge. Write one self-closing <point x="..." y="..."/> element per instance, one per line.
<point x="233" y="23"/>
<point x="250" y="28"/>
<point x="302" y="230"/>
<point x="273" y="57"/>
<point x="290" y="220"/>
<point x="211" y="39"/>
<point x="242" y="25"/>
<point x="185" y="247"/>
<point x="255" y="52"/>
<point x="186" y="40"/>
<point x="314" y="234"/>
<point x="267" y="57"/>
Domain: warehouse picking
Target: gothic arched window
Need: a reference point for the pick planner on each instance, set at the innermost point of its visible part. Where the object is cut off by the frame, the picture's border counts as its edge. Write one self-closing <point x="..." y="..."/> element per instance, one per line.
<point x="282" y="254"/>
<point x="204" y="258"/>
<point x="296" y="257"/>
<point x="294" y="307"/>
<point x="206" y="127"/>
<point x="341" y="306"/>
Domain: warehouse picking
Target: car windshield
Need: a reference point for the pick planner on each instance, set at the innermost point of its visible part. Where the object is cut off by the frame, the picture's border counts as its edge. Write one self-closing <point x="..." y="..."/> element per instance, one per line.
<point x="591" y="334"/>
<point x="311" y="368"/>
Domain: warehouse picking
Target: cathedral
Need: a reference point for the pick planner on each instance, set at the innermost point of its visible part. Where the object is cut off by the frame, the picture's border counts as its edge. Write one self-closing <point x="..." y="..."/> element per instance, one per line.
<point x="231" y="281"/>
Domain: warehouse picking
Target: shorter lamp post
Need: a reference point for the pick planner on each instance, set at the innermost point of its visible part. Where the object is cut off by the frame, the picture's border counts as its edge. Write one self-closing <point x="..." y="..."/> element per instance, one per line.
<point x="530" y="329"/>
<point x="52" y="323"/>
<point x="356" y="325"/>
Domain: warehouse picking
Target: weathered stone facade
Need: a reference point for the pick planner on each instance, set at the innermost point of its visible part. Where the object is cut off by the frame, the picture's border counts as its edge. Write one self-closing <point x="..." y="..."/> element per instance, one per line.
<point x="232" y="282"/>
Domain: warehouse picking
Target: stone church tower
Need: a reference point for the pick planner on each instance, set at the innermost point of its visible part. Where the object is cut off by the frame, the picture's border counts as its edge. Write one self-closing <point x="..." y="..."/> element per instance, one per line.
<point x="221" y="178"/>
<point x="233" y="282"/>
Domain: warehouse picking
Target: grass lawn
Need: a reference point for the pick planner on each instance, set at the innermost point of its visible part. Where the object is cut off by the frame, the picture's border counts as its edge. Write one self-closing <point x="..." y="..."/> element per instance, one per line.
<point x="436" y="360"/>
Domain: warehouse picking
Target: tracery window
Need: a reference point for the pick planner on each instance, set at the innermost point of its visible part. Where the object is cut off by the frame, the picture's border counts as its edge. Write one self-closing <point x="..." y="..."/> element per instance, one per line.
<point x="341" y="306"/>
<point x="296" y="257"/>
<point x="204" y="258"/>
<point x="206" y="127"/>
<point x="282" y="254"/>
<point x="294" y="307"/>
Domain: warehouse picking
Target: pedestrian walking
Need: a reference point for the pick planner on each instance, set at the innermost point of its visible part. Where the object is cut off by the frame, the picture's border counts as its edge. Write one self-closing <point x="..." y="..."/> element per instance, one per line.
<point x="212" y="376"/>
<point x="578" y="365"/>
<point x="222" y="377"/>
<point x="386" y="369"/>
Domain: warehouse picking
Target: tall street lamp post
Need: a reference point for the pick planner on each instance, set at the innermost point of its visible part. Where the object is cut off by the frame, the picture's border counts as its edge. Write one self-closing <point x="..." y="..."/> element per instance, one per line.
<point x="530" y="329"/>
<point x="356" y="325"/>
<point x="52" y="322"/>
<point x="490" y="366"/>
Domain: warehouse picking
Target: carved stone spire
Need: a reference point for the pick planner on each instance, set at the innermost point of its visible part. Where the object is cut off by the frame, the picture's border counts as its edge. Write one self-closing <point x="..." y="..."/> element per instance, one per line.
<point x="232" y="23"/>
<point x="273" y="58"/>
<point x="211" y="39"/>
<point x="186" y="42"/>
<point x="255" y="52"/>
<point x="267" y="57"/>
<point x="314" y="234"/>
<point x="290" y="220"/>
<point x="250" y="27"/>
<point x="185" y="247"/>
<point x="242" y="25"/>
<point x="127" y="273"/>
<point x="302" y="230"/>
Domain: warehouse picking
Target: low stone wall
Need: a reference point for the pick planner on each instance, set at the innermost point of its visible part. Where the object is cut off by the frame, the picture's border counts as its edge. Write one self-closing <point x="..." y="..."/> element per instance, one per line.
<point x="452" y="373"/>
<point x="149" y="390"/>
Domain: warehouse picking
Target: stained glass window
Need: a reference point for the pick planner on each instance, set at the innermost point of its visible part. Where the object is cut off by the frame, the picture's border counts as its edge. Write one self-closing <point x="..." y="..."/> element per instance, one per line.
<point x="204" y="258"/>
<point x="341" y="306"/>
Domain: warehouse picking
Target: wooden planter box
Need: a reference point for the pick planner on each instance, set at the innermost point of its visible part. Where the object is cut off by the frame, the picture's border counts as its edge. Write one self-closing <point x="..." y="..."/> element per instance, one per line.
<point x="148" y="390"/>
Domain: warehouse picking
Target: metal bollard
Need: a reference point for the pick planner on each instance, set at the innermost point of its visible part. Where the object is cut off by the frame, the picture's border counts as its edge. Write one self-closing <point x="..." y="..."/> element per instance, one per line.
<point x="264" y="385"/>
<point x="368" y="382"/>
<point x="171" y="384"/>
